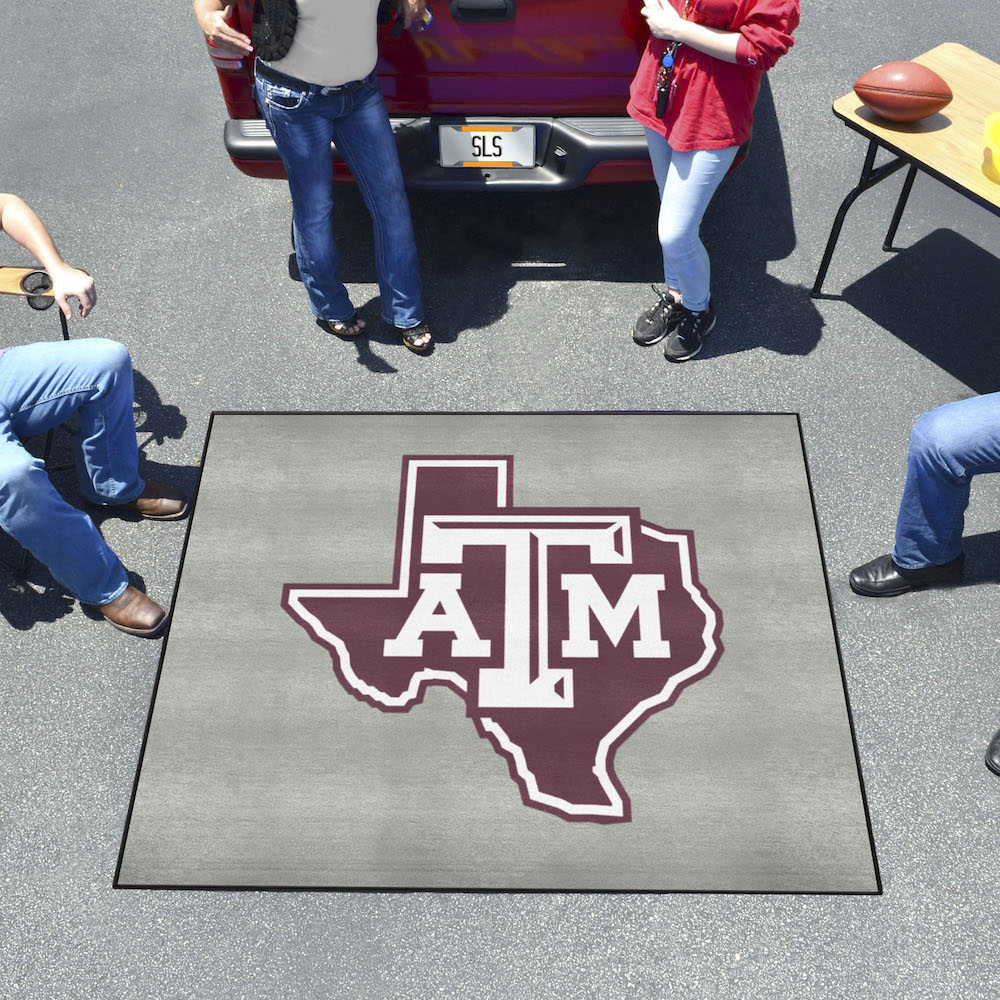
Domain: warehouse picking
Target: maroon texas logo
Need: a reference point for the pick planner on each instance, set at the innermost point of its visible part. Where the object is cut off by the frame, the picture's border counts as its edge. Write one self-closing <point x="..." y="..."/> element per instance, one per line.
<point x="561" y="628"/>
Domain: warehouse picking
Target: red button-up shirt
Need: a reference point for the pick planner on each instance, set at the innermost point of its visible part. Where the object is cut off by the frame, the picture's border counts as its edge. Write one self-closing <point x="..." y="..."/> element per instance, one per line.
<point x="711" y="101"/>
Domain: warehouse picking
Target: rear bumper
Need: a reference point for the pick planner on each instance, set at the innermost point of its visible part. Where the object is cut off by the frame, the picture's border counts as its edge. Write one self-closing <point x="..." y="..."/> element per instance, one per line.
<point x="568" y="152"/>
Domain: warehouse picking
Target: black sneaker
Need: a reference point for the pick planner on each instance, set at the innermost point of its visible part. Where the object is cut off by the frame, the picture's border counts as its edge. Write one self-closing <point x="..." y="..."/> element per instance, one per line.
<point x="688" y="337"/>
<point x="654" y="324"/>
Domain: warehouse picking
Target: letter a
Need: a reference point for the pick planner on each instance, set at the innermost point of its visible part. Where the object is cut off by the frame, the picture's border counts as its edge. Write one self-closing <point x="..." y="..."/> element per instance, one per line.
<point x="438" y="590"/>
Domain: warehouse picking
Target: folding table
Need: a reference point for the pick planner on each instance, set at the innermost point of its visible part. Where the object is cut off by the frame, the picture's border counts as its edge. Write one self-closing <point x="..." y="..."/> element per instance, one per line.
<point x="948" y="145"/>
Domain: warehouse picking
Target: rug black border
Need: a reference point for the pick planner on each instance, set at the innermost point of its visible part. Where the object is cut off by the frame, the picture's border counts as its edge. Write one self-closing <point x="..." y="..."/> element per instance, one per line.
<point x="118" y="884"/>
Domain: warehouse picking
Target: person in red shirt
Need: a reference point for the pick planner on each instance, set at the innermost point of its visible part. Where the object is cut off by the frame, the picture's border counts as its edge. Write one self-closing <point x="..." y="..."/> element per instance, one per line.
<point x="694" y="92"/>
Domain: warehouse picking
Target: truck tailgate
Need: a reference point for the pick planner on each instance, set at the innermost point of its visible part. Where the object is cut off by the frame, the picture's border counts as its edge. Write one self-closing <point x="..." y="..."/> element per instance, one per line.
<point x="552" y="57"/>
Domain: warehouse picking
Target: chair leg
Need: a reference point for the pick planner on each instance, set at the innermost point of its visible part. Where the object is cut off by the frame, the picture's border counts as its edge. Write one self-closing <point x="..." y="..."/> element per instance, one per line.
<point x="49" y="437"/>
<point x="21" y="565"/>
<point x="47" y="449"/>
<point x="24" y="563"/>
<point x="47" y="452"/>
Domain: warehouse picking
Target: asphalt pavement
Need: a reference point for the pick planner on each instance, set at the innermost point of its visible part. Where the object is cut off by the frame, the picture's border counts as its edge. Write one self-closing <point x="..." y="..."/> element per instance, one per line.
<point x="112" y="130"/>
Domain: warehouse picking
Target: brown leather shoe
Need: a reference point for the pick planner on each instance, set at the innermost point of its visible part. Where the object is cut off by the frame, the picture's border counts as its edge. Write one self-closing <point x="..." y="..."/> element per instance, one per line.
<point x="135" y="613"/>
<point x="158" y="502"/>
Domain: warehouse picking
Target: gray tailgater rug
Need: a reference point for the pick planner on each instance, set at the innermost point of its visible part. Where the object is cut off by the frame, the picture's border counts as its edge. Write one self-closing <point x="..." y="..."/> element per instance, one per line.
<point x="509" y="651"/>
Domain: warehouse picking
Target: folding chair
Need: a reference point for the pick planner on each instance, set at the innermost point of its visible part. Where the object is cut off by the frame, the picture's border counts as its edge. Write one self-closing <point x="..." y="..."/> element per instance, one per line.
<point x="35" y="287"/>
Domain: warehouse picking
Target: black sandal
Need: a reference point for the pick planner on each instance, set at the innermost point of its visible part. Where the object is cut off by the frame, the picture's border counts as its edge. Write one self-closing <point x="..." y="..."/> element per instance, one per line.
<point x="342" y="327"/>
<point x="412" y="333"/>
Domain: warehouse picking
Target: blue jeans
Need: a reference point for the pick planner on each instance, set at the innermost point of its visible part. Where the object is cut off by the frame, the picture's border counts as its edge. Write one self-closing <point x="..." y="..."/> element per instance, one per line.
<point x="687" y="182"/>
<point x="948" y="447"/>
<point x="304" y="121"/>
<point x="41" y="386"/>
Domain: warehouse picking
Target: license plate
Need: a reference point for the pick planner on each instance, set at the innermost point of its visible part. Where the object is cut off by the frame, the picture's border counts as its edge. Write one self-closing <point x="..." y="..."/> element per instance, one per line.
<point x="487" y="145"/>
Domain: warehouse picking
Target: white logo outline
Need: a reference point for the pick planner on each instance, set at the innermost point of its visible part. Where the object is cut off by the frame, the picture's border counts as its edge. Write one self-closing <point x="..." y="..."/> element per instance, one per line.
<point x="615" y="807"/>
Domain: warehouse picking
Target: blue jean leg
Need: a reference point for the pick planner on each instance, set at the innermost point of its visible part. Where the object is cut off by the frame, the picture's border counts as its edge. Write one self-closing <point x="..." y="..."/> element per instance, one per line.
<point x="303" y="124"/>
<point x="366" y="142"/>
<point x="948" y="446"/>
<point x="303" y="141"/>
<point x="42" y="385"/>
<point x="686" y="181"/>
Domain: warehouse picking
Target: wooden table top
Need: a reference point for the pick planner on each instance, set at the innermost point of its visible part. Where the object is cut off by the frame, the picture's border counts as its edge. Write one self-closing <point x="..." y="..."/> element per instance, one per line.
<point x="949" y="143"/>
<point x="10" y="280"/>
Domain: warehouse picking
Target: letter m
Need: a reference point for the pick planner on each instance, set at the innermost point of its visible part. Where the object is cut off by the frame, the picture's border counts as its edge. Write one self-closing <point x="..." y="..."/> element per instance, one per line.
<point x="640" y="597"/>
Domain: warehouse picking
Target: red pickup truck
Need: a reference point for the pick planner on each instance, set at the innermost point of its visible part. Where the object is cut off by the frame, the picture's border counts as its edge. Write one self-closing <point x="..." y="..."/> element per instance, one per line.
<point x="518" y="94"/>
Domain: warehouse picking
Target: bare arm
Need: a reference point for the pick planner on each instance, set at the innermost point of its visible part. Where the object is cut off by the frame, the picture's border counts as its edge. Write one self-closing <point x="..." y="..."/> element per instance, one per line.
<point x="21" y="224"/>
<point x="211" y="15"/>
<point x="764" y="37"/>
<point x="712" y="41"/>
<point x="665" y="22"/>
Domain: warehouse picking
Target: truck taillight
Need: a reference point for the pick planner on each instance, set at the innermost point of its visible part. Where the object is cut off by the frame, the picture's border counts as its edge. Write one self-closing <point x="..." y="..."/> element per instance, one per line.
<point x="221" y="60"/>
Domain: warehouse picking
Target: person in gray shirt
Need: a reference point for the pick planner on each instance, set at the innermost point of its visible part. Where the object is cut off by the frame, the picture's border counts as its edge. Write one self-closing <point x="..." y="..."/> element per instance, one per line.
<point x="315" y="83"/>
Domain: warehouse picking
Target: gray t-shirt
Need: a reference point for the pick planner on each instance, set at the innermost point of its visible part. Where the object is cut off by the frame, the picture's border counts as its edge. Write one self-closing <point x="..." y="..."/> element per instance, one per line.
<point x="334" y="42"/>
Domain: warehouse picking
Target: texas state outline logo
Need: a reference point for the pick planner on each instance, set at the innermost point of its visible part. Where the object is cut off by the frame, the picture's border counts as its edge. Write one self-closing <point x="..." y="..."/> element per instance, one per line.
<point x="562" y="629"/>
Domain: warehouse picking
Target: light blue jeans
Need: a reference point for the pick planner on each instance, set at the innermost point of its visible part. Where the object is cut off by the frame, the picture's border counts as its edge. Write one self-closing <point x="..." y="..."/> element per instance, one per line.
<point x="687" y="182"/>
<point x="41" y="386"/>
<point x="304" y="121"/>
<point x="948" y="447"/>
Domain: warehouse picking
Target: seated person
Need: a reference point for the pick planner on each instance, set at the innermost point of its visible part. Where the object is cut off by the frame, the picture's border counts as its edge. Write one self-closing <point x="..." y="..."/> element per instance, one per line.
<point x="41" y="386"/>
<point x="948" y="447"/>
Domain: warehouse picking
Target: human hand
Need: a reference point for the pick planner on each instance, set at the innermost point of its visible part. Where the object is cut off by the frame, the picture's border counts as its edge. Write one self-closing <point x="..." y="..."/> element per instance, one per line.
<point x="410" y="10"/>
<point x="222" y="35"/>
<point x="72" y="283"/>
<point x="664" y="22"/>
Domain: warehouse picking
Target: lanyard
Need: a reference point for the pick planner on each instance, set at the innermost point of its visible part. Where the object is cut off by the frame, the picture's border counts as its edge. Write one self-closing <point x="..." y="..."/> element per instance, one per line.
<point x="666" y="70"/>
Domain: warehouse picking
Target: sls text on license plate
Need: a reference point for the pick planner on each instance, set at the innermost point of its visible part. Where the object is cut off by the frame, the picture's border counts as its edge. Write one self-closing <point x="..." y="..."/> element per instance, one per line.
<point x="487" y="145"/>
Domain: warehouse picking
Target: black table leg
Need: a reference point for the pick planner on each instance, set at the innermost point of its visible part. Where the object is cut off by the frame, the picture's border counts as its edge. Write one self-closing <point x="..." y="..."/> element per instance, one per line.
<point x="870" y="176"/>
<point x="900" y="205"/>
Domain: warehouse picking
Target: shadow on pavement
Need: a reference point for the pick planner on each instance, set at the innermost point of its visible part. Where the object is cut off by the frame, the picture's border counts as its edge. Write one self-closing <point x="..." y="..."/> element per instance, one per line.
<point x="474" y="247"/>
<point x="941" y="296"/>
<point x="748" y="224"/>
<point x="154" y="417"/>
<point x="25" y="601"/>
<point x="982" y="558"/>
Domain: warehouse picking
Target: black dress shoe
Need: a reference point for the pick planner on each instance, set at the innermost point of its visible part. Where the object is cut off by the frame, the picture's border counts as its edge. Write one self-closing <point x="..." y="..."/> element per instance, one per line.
<point x="993" y="754"/>
<point x="883" y="578"/>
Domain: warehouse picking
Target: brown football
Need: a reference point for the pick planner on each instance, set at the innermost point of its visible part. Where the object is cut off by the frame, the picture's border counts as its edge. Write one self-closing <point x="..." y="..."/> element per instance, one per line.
<point x="903" y="91"/>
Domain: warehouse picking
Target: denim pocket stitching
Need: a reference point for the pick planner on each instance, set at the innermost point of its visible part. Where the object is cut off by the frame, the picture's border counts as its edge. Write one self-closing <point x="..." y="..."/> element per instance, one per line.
<point x="284" y="92"/>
